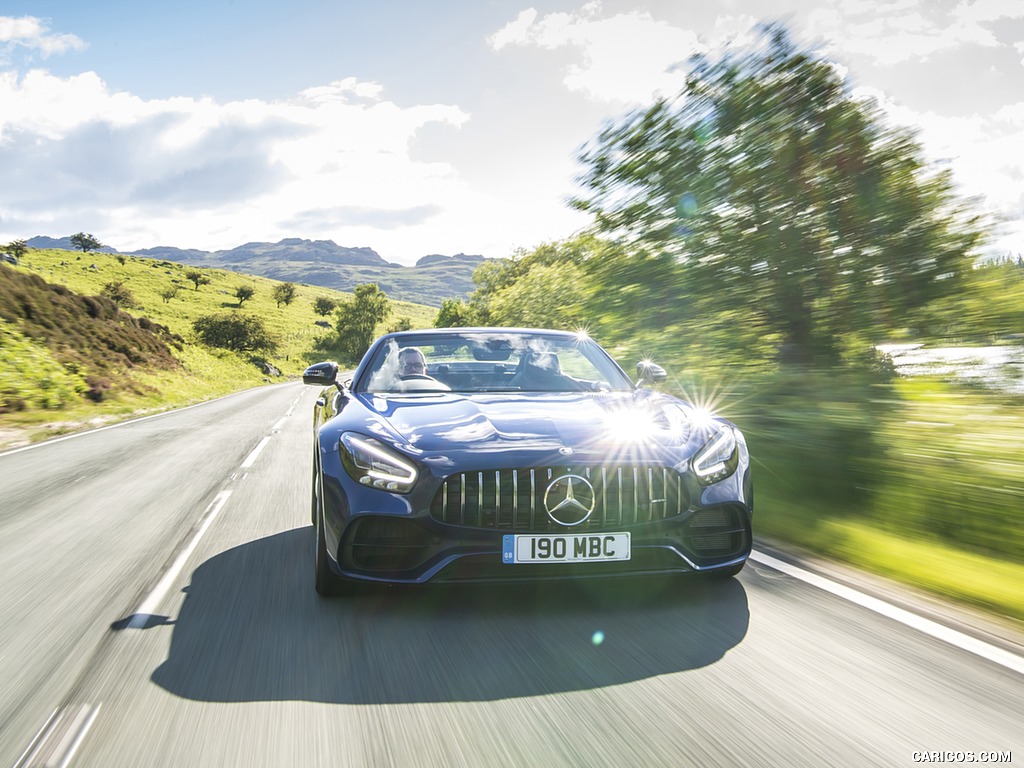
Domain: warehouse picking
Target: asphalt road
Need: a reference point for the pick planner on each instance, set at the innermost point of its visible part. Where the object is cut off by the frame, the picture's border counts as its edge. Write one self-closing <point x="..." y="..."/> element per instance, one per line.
<point x="157" y="609"/>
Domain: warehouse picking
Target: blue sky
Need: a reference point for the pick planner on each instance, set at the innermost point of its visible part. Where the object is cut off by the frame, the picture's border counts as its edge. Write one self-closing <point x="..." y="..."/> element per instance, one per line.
<point x="426" y="126"/>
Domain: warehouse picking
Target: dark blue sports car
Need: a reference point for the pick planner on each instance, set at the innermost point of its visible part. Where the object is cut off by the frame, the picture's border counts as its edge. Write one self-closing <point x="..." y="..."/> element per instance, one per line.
<point x="501" y="454"/>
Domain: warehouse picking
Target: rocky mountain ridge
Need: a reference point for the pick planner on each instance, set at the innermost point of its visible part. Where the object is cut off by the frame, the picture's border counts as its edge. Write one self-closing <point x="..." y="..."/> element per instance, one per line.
<point x="432" y="279"/>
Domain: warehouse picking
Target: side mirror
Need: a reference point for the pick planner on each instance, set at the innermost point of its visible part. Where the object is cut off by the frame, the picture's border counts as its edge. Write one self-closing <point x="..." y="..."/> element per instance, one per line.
<point x="649" y="373"/>
<point x="321" y="374"/>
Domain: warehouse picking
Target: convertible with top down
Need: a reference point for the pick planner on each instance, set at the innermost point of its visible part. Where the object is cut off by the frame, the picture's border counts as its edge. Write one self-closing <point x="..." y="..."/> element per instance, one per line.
<point x="507" y="454"/>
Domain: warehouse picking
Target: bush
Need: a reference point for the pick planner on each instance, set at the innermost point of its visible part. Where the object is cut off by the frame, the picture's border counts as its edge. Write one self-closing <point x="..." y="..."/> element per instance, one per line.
<point x="119" y="293"/>
<point x="239" y="333"/>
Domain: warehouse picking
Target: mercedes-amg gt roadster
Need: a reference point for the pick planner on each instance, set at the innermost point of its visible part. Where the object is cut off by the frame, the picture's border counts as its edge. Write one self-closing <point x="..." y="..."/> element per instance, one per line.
<point x="504" y="454"/>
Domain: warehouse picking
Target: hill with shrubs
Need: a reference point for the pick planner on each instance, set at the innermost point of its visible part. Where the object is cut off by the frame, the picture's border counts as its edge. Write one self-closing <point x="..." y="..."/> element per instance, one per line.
<point x="87" y="338"/>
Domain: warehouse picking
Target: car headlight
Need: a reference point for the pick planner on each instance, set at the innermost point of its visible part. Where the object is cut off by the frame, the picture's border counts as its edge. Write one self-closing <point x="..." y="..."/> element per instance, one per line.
<point x="371" y="463"/>
<point x="717" y="458"/>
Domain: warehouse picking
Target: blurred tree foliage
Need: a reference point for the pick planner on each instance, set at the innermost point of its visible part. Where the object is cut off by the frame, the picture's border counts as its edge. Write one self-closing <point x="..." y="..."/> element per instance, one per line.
<point x="768" y="191"/>
<point x="990" y="307"/>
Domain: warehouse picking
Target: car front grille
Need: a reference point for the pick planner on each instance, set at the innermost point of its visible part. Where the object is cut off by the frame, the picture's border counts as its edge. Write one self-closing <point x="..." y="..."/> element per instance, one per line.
<point x="513" y="499"/>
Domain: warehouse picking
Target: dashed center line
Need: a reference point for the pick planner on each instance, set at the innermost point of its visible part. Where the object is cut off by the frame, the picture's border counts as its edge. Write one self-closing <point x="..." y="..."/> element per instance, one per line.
<point x="251" y="458"/>
<point x="56" y="743"/>
<point x="149" y="605"/>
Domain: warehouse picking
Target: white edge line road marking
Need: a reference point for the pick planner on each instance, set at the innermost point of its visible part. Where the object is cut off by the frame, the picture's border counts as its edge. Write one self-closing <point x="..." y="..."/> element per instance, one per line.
<point x="251" y="458"/>
<point x="927" y="626"/>
<point x="124" y="423"/>
<point x="32" y="748"/>
<point x="81" y="735"/>
<point x="59" y="738"/>
<point x="149" y="605"/>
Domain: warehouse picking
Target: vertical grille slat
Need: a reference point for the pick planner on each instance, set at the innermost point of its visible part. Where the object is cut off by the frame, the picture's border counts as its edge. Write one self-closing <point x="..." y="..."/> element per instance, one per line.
<point x="515" y="498"/>
<point x="623" y="496"/>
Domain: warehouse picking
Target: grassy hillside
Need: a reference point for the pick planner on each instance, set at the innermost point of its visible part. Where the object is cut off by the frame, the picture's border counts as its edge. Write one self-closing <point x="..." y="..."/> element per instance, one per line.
<point x="70" y="359"/>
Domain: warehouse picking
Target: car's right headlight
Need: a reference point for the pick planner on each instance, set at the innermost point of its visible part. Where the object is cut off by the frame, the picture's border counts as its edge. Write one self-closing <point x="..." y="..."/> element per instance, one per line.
<point x="371" y="463"/>
<point x="717" y="458"/>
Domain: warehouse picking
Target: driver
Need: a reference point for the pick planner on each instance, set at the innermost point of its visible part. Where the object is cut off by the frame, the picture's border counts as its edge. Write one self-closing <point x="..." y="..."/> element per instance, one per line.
<point x="411" y="362"/>
<point x="412" y="372"/>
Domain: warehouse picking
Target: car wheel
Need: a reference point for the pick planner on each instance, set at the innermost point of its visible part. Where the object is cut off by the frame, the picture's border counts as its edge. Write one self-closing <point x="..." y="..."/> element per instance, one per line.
<point x="326" y="581"/>
<point x="315" y="492"/>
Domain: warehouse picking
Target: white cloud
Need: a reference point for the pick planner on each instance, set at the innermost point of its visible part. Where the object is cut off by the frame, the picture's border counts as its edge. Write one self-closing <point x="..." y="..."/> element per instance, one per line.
<point x="516" y="32"/>
<point x="891" y="33"/>
<point x="30" y="32"/>
<point x="990" y="10"/>
<point x="71" y="148"/>
<point x="628" y="57"/>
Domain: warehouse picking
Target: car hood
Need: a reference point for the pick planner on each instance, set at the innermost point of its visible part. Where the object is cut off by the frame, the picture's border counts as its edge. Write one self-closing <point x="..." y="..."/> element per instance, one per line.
<point x="586" y="425"/>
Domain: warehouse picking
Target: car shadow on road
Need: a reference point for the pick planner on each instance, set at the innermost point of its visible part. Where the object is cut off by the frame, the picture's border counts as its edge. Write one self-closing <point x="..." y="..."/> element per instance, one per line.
<point x="252" y="629"/>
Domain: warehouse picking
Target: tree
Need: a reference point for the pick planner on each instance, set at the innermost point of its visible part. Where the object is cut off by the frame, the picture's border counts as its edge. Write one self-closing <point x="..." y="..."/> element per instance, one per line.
<point x="169" y="293"/>
<point x="17" y="248"/>
<point x="237" y="332"/>
<point x="547" y="296"/>
<point x="783" y="197"/>
<point x="454" y="313"/>
<point x="85" y="243"/>
<point x="197" y="277"/>
<point x="244" y="293"/>
<point x="358" y="318"/>
<point x="403" y="323"/>
<point x="323" y="306"/>
<point x="284" y="293"/>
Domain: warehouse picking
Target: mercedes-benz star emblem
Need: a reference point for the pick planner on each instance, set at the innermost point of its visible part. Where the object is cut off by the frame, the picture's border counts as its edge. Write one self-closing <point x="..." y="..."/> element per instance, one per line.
<point x="569" y="499"/>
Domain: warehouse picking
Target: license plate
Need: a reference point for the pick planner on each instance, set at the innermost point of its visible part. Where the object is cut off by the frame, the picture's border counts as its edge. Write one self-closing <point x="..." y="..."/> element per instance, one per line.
<point x="565" y="548"/>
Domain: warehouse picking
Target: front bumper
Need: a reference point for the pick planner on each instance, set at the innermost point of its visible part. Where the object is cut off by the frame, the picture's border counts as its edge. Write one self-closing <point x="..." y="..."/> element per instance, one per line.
<point x="377" y="536"/>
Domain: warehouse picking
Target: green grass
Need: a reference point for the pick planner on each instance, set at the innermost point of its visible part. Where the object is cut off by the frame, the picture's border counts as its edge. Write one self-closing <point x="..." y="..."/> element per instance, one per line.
<point x="917" y="480"/>
<point x="54" y="405"/>
<point x="984" y="582"/>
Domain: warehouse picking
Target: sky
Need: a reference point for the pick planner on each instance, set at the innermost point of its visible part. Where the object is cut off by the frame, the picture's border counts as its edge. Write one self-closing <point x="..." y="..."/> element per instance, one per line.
<point x="432" y="126"/>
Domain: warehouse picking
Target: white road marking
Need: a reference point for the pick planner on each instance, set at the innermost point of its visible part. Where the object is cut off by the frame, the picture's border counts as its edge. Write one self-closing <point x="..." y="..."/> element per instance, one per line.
<point x="931" y="628"/>
<point x="277" y="427"/>
<point x="251" y="458"/>
<point x="59" y="738"/>
<point x="150" y="604"/>
<point x="81" y="735"/>
<point x="32" y="748"/>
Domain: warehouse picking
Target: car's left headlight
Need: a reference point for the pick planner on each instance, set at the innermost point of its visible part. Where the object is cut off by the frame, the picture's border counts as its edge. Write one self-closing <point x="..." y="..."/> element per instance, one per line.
<point x="717" y="458"/>
<point x="371" y="463"/>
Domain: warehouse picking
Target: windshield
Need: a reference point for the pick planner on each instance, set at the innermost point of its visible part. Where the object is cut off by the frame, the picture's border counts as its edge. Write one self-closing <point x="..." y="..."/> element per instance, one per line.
<point x="491" y="362"/>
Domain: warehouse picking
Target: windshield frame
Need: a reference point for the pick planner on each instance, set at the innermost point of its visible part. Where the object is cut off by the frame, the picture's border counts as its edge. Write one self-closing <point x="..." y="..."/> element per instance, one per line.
<point x="613" y="378"/>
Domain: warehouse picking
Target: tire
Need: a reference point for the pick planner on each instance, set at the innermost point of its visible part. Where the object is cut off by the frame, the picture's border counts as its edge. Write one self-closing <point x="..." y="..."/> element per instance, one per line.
<point x="314" y="503"/>
<point x="326" y="581"/>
